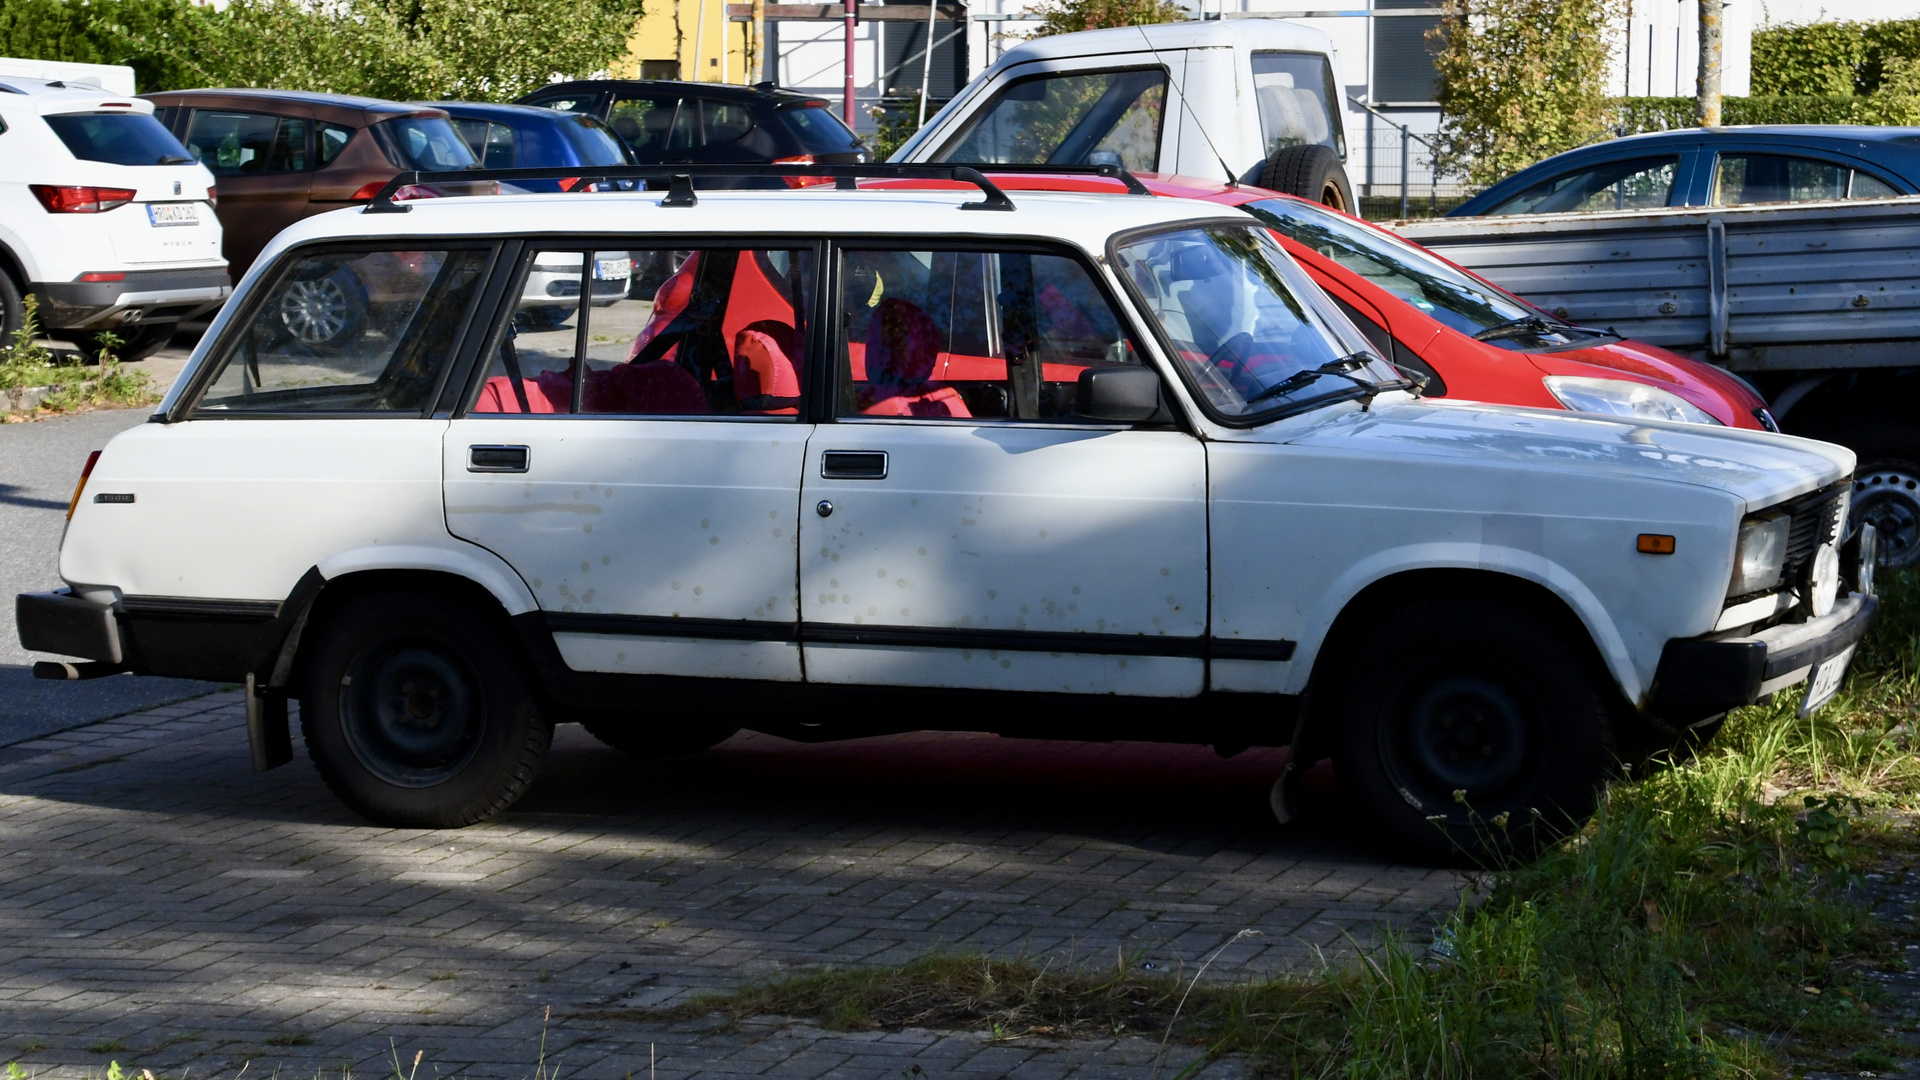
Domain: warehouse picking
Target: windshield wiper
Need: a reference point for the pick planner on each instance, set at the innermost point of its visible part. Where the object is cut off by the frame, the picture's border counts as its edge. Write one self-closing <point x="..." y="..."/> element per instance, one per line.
<point x="1341" y="368"/>
<point x="1514" y="328"/>
<point x="174" y="159"/>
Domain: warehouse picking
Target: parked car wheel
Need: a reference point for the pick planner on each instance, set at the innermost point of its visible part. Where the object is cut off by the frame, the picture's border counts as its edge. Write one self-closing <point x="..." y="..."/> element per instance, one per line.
<point x="1311" y="172"/>
<point x="136" y="343"/>
<point x="418" y="713"/>
<point x="1468" y="727"/>
<point x="323" y="312"/>
<point x="631" y="734"/>
<point x="1886" y="484"/>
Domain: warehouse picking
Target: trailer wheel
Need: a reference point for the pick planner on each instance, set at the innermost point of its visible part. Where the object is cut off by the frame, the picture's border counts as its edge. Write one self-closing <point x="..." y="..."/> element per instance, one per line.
<point x="1886" y="486"/>
<point x="1311" y="172"/>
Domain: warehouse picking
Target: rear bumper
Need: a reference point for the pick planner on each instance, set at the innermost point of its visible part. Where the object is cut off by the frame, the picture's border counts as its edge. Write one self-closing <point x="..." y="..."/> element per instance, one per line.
<point x="64" y="624"/>
<point x="142" y="296"/>
<point x="188" y="638"/>
<point x="1699" y="678"/>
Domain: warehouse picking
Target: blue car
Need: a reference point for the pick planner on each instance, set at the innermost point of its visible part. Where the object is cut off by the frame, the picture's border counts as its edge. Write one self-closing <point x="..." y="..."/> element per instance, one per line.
<point x="527" y="137"/>
<point x="1727" y="166"/>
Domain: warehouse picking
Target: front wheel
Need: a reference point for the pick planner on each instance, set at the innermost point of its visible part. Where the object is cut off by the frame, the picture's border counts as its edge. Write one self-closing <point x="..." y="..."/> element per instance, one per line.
<point x="417" y="712"/>
<point x="1468" y="728"/>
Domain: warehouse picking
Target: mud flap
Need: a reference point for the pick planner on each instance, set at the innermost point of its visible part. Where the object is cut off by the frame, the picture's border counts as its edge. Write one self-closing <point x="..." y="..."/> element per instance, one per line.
<point x="267" y="731"/>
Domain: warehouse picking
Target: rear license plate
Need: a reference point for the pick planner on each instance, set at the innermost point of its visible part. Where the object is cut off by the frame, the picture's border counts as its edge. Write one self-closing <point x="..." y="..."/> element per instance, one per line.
<point x="173" y="213"/>
<point x="1825" y="681"/>
<point x="610" y="269"/>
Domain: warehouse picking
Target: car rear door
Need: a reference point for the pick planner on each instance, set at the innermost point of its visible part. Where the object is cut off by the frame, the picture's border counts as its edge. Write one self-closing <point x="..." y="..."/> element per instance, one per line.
<point x="262" y="163"/>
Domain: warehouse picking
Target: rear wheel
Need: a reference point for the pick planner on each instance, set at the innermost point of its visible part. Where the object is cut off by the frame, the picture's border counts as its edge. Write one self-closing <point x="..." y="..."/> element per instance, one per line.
<point x="633" y="735"/>
<point x="418" y="713"/>
<point x="1471" y="727"/>
<point x="1311" y="172"/>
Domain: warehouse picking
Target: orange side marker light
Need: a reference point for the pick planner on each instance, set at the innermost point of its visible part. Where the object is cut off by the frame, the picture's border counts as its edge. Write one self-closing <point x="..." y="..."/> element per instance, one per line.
<point x="1655" y="544"/>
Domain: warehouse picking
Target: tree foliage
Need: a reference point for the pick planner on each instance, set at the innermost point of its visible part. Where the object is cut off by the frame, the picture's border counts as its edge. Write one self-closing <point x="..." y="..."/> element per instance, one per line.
<point x="1072" y="16"/>
<point x="401" y="49"/>
<point x="1520" y="80"/>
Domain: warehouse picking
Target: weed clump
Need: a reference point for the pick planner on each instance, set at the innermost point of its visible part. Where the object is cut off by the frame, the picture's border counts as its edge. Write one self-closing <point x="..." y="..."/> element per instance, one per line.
<point x="71" y="384"/>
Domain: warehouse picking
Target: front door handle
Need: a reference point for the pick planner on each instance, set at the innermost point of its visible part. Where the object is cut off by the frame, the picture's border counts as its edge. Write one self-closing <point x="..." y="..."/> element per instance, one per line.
<point x="853" y="465"/>
<point x="498" y="458"/>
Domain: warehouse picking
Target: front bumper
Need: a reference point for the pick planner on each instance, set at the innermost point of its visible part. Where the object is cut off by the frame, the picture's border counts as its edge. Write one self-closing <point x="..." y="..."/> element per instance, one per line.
<point x="1699" y="678"/>
<point x="149" y="296"/>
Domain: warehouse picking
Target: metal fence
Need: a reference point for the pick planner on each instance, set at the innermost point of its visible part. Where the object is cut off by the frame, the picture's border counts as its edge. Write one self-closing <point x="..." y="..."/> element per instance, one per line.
<point x="1393" y="175"/>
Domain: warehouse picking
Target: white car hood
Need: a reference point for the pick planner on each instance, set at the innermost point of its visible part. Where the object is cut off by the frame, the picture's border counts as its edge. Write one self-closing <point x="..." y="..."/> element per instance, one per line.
<point x="1759" y="467"/>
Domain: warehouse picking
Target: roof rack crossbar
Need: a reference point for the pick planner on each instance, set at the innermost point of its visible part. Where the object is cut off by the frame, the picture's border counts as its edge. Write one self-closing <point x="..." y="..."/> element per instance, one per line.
<point x="680" y="178"/>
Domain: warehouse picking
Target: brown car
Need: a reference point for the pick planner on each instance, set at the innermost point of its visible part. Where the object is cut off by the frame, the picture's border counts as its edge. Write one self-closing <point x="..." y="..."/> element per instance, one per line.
<point x="281" y="155"/>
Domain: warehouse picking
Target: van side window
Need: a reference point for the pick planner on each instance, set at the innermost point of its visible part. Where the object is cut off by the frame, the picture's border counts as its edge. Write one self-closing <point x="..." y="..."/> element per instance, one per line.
<point x="713" y="332"/>
<point x="971" y="335"/>
<point x="348" y="332"/>
<point x="1299" y="105"/>
<point x="1083" y="118"/>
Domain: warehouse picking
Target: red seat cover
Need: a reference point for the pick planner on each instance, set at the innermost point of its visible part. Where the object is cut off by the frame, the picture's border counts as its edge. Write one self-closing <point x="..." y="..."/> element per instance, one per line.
<point x="902" y="346"/>
<point x="764" y="379"/>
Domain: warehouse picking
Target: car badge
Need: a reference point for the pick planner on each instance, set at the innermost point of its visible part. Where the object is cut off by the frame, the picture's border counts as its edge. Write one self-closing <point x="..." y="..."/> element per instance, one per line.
<point x="176" y="187"/>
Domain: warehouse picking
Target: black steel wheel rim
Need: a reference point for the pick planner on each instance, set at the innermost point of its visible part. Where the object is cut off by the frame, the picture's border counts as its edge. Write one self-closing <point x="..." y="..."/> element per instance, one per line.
<point x="1889" y="500"/>
<point x="1463" y="744"/>
<point x="412" y="708"/>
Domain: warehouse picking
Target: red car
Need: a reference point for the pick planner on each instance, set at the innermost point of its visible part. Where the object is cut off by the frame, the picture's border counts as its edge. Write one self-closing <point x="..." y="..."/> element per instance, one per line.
<point x="1471" y="338"/>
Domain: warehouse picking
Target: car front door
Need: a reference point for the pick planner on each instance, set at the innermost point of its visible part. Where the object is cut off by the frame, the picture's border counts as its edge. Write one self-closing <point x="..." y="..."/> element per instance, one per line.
<point x="637" y="460"/>
<point x="960" y="525"/>
<point x="262" y="165"/>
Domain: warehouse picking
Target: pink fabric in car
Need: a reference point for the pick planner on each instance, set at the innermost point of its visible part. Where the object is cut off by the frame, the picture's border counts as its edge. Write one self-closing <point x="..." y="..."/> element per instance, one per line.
<point x="902" y="346"/>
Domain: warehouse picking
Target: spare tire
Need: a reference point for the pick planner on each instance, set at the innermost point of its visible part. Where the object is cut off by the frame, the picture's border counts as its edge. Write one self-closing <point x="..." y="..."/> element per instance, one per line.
<point x="1311" y="172"/>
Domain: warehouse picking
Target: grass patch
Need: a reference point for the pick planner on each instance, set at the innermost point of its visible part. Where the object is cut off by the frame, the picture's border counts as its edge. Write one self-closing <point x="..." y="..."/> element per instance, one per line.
<point x="75" y="385"/>
<point x="1708" y="922"/>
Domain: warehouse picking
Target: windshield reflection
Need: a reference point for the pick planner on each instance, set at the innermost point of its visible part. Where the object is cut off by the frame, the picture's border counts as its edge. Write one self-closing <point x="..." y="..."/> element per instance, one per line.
<point x="1252" y="333"/>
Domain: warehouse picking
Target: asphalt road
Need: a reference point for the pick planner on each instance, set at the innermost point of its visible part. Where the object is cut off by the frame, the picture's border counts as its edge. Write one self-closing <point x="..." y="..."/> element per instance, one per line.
<point x="39" y="463"/>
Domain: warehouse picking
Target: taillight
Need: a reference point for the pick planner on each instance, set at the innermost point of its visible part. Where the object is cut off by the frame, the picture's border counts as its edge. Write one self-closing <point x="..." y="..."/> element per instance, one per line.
<point x="85" y="471"/>
<point x="81" y="200"/>
<point x="213" y="197"/>
<point x="568" y="183"/>
<point x="802" y="181"/>
<point x="400" y="194"/>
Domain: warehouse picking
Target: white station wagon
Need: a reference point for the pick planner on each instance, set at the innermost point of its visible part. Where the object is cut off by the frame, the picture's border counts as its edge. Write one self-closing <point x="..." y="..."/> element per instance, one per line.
<point x="1080" y="466"/>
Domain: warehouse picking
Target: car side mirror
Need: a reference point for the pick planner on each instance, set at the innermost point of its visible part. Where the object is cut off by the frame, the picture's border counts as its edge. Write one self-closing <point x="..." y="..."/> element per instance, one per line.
<point x="1125" y="395"/>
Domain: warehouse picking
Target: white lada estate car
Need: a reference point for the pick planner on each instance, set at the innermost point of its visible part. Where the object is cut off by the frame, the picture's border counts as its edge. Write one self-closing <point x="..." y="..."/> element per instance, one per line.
<point x="1087" y="466"/>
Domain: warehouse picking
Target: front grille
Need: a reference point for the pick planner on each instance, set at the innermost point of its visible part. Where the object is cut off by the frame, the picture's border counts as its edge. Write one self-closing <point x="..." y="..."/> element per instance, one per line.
<point x="1816" y="520"/>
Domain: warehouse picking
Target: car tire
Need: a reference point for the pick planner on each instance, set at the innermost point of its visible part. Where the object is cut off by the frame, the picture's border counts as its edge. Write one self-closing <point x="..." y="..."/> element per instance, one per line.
<point x="136" y="344"/>
<point x="630" y="734"/>
<point x="13" y="309"/>
<point x="1886" y="484"/>
<point x="1312" y="172"/>
<point x="418" y="711"/>
<point x="1471" y="728"/>
<point x="325" y="312"/>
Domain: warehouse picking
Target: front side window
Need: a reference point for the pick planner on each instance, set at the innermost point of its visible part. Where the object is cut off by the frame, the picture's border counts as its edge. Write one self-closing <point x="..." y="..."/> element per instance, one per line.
<point x="1299" y="105"/>
<point x="723" y="334"/>
<point x="1249" y="330"/>
<point x="1739" y="179"/>
<point x="1638" y="184"/>
<point x="118" y="138"/>
<point x="1085" y="118"/>
<point x="247" y="144"/>
<point x="348" y="332"/>
<point x="427" y="143"/>
<point x="971" y="335"/>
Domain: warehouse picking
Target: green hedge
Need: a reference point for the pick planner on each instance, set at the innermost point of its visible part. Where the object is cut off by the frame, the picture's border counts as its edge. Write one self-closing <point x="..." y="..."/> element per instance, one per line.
<point x="1665" y="114"/>
<point x="1831" y="58"/>
<point x="102" y="32"/>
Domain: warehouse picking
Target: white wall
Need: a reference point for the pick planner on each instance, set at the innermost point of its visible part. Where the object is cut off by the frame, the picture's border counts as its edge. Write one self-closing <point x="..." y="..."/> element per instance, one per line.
<point x="1777" y="12"/>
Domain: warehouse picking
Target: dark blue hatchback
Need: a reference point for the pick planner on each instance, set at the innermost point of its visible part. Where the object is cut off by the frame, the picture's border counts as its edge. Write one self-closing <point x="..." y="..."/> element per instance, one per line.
<point x="527" y="137"/>
<point x="1727" y="166"/>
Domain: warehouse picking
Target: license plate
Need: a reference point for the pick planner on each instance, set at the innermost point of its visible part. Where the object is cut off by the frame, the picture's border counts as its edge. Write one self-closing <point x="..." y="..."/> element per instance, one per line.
<point x="173" y="213"/>
<point x="1825" y="681"/>
<point x="609" y="269"/>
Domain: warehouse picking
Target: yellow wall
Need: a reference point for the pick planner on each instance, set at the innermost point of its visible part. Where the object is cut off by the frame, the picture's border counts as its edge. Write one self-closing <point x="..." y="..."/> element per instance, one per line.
<point x="669" y="29"/>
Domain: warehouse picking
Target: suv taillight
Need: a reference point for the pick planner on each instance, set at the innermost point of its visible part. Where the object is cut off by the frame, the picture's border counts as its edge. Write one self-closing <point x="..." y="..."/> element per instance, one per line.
<point x="85" y="472"/>
<point x="801" y="181"/>
<point x="81" y="200"/>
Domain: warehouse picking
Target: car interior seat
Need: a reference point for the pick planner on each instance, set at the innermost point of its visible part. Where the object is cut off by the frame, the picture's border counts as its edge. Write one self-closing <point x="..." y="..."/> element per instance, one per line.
<point x="764" y="378"/>
<point x="902" y="346"/>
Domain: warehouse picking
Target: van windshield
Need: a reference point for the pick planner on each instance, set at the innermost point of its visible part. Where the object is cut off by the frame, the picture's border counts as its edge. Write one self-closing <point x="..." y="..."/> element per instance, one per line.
<point x="1083" y="118"/>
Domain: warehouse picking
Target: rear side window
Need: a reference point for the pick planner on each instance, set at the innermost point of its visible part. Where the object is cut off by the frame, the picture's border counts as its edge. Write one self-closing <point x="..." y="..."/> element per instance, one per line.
<point x="348" y="332"/>
<point x="723" y="122"/>
<point x="819" y="130"/>
<point x="427" y="143"/>
<point x="118" y="138"/>
<point x="644" y="123"/>
<point x="1299" y="105"/>
<point x="1091" y="118"/>
<point x="244" y="143"/>
<point x="1769" y="178"/>
<point x="1635" y="184"/>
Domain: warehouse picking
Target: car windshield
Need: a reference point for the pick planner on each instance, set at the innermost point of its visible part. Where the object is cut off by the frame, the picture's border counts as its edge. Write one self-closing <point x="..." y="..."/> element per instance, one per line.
<point x="1253" y="334"/>
<point x="594" y="141"/>
<point x="427" y="143"/>
<point x="118" y="138"/>
<point x="1428" y="283"/>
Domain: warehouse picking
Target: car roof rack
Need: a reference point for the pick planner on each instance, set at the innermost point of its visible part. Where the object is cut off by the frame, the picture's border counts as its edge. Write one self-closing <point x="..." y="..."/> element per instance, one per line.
<point x="680" y="178"/>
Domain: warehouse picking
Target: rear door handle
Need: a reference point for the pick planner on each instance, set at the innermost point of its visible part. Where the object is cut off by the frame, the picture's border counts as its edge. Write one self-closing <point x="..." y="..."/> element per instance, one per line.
<point x="497" y="458"/>
<point x="853" y="465"/>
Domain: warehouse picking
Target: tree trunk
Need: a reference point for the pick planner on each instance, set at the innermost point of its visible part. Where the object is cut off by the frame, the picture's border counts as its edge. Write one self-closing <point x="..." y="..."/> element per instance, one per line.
<point x="1707" y="110"/>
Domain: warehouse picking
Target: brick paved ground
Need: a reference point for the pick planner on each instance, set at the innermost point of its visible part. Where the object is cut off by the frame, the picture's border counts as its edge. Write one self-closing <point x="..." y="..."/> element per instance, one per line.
<point x="162" y="906"/>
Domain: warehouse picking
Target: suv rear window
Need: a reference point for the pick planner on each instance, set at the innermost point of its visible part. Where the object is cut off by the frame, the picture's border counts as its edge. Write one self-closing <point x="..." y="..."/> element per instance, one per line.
<point x="118" y="138"/>
<point x="427" y="143"/>
<point x="819" y="130"/>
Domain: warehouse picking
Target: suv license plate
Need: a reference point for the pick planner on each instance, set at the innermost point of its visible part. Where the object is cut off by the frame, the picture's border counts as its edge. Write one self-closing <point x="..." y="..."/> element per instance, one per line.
<point x="610" y="269"/>
<point x="1825" y="681"/>
<point x="173" y="213"/>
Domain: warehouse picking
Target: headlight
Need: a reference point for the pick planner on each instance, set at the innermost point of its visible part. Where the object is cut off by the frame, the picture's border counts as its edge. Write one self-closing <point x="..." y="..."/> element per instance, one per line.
<point x="1761" y="556"/>
<point x="1622" y="398"/>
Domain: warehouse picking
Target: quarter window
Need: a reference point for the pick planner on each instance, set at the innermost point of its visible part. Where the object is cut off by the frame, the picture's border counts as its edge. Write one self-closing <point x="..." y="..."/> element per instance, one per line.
<point x="971" y="335"/>
<point x="332" y="138"/>
<point x="492" y="144"/>
<point x="718" y="331"/>
<point x="1090" y="118"/>
<point x="349" y="332"/>
<point x="1637" y="184"/>
<point x="246" y="144"/>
